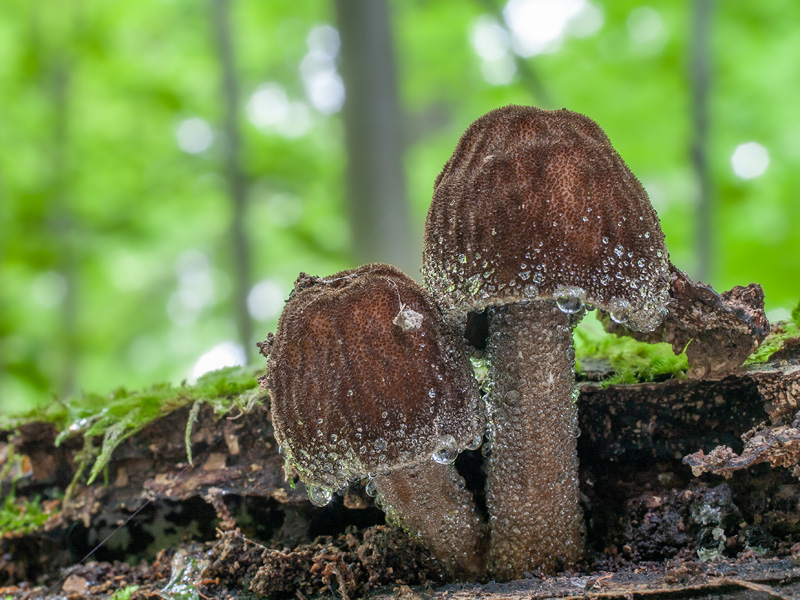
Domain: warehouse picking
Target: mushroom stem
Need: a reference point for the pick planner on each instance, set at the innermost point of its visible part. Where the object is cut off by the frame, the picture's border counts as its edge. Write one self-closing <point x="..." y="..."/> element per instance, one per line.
<point x="532" y="475"/>
<point x="430" y="500"/>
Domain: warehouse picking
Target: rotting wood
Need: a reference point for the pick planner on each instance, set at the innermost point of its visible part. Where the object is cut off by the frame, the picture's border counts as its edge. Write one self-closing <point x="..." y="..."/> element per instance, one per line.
<point x="237" y="455"/>
<point x="666" y="421"/>
<point x="728" y="580"/>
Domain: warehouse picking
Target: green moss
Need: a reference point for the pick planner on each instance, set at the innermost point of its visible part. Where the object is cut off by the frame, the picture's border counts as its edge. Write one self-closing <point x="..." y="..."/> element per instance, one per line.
<point x="125" y="593"/>
<point x="21" y="516"/>
<point x="775" y="340"/>
<point x="629" y="360"/>
<point x="122" y="413"/>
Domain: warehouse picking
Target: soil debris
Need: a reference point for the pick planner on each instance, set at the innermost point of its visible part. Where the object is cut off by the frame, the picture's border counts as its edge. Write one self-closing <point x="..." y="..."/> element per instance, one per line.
<point x="348" y="565"/>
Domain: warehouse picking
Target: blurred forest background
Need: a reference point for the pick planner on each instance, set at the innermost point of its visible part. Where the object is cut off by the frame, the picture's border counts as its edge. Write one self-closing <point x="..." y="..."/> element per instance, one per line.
<point x="168" y="167"/>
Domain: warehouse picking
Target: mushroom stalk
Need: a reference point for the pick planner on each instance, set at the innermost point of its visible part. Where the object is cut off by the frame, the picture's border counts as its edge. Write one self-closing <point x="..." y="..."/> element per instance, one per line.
<point x="431" y="501"/>
<point x="532" y="476"/>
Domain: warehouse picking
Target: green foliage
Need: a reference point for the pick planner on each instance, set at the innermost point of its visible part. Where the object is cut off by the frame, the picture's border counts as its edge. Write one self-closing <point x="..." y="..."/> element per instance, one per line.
<point x="102" y="211"/>
<point x="630" y="361"/>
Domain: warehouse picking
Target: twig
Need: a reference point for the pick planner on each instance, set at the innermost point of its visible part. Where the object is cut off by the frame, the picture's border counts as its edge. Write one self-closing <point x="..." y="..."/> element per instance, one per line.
<point x="758" y="587"/>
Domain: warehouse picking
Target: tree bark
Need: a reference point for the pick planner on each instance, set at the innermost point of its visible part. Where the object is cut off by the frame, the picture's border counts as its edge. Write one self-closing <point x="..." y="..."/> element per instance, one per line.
<point x="237" y="186"/>
<point x="377" y="201"/>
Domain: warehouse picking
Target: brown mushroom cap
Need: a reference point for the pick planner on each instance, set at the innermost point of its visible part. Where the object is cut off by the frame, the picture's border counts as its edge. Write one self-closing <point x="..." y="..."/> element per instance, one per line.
<point x="365" y="377"/>
<point x="536" y="204"/>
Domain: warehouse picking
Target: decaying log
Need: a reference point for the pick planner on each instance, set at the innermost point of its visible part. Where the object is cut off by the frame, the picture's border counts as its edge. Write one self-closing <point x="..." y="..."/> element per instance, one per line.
<point x="633" y="439"/>
<point x="665" y="421"/>
<point x="677" y="417"/>
<point x="238" y="455"/>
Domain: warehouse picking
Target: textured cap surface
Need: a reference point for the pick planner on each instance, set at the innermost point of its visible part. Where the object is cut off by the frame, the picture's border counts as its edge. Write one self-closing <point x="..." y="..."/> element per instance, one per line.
<point x="365" y="377"/>
<point x="536" y="204"/>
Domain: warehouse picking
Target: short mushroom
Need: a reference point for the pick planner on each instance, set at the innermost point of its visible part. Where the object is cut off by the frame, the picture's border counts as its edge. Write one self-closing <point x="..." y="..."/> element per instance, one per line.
<point x="534" y="217"/>
<point x="367" y="380"/>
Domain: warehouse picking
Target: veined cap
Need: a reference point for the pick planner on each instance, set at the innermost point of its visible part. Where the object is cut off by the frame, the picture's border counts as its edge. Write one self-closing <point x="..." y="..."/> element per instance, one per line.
<point x="365" y="377"/>
<point x="537" y="204"/>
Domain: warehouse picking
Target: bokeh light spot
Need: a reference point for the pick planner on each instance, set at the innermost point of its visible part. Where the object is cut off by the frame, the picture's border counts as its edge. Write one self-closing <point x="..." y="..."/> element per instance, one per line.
<point x="489" y="39"/>
<point x="538" y="26"/>
<point x="644" y="25"/>
<point x="225" y="354"/>
<point x="265" y="300"/>
<point x="324" y="86"/>
<point x="749" y="160"/>
<point x="194" y="135"/>
<point x="268" y="106"/>
<point x="49" y="289"/>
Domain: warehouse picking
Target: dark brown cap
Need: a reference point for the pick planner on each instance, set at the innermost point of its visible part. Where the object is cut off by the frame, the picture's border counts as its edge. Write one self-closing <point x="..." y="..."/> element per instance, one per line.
<point x="536" y="204"/>
<point x="365" y="377"/>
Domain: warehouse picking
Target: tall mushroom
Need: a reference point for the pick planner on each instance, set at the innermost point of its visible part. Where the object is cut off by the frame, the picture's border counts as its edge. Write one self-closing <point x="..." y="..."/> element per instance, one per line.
<point x="534" y="217"/>
<point x="366" y="380"/>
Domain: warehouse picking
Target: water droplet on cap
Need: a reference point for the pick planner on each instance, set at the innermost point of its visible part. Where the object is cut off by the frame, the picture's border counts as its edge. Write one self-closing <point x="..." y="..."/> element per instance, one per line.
<point x="475" y="442"/>
<point x="319" y="496"/>
<point x="569" y="300"/>
<point x="619" y="310"/>
<point x="445" y="451"/>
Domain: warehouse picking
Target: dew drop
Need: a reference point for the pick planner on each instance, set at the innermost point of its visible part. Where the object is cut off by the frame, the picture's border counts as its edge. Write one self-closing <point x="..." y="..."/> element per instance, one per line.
<point x="445" y="451"/>
<point x="619" y="250"/>
<point x="319" y="496"/>
<point x="371" y="488"/>
<point x="475" y="442"/>
<point x="619" y="310"/>
<point x="462" y="258"/>
<point x="530" y="291"/>
<point x="569" y="300"/>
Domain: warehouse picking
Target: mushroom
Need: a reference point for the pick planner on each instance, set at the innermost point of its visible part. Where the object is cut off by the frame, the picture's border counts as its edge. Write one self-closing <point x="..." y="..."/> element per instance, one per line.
<point x="534" y="217"/>
<point x="367" y="381"/>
